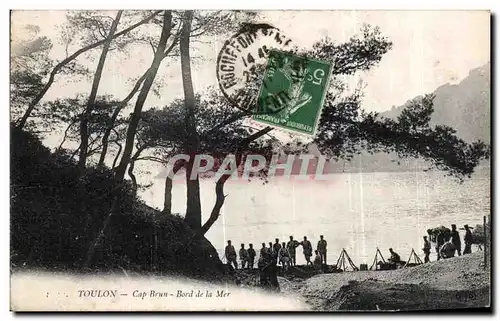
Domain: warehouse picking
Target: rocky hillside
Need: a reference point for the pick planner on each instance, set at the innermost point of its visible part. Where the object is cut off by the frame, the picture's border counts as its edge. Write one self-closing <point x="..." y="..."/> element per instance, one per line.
<point x="57" y="212"/>
<point x="464" y="106"/>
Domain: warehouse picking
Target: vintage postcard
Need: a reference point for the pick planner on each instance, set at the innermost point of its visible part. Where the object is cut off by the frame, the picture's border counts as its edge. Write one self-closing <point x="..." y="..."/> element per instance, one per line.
<point x="166" y="160"/>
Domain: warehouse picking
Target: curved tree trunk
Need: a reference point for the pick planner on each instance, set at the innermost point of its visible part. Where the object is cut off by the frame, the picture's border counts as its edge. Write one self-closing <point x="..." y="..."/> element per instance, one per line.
<point x="219" y="186"/>
<point x="66" y="135"/>
<point x="117" y="154"/>
<point x="114" y="117"/>
<point x="167" y="202"/>
<point x="193" y="204"/>
<point x="75" y="55"/>
<point x="85" y="118"/>
<point x="143" y="94"/>
<point x="132" y="176"/>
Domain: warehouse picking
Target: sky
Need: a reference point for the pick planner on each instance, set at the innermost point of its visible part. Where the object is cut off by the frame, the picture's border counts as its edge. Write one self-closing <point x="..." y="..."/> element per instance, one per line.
<point x="430" y="48"/>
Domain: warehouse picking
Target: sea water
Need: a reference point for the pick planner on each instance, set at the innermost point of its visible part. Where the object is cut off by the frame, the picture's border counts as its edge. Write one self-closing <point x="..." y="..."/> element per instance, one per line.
<point x="357" y="212"/>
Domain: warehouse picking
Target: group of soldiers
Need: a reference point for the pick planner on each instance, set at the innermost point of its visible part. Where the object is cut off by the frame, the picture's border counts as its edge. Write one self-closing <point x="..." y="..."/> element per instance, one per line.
<point x="283" y="253"/>
<point x="448" y="243"/>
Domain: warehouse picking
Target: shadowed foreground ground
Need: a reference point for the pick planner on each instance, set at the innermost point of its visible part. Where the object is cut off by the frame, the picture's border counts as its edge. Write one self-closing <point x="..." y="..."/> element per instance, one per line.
<point x="448" y="284"/>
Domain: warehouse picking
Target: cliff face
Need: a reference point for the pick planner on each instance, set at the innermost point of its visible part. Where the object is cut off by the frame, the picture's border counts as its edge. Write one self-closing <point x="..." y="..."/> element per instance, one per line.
<point x="464" y="106"/>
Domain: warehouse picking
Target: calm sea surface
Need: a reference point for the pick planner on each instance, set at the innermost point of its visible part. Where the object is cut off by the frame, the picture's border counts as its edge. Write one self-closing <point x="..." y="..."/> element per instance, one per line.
<point x="358" y="211"/>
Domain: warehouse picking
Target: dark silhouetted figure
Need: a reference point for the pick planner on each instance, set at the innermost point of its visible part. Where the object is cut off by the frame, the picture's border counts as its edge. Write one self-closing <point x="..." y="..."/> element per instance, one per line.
<point x="467" y="240"/>
<point x="230" y="253"/>
<point x="273" y="271"/>
<point x="322" y="249"/>
<point x="395" y="258"/>
<point x="263" y="250"/>
<point x="268" y="272"/>
<point x="243" y="256"/>
<point x="291" y="246"/>
<point x="317" y="260"/>
<point x="448" y="249"/>
<point x="251" y="256"/>
<point x="284" y="257"/>
<point x="455" y="239"/>
<point x="307" y="250"/>
<point x="427" y="250"/>
<point x="439" y="243"/>
<point x="263" y="266"/>
<point x="270" y="249"/>
<point x="276" y="248"/>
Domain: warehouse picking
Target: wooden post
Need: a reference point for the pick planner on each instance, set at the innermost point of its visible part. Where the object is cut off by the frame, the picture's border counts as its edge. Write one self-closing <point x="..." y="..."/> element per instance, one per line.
<point x="485" y="241"/>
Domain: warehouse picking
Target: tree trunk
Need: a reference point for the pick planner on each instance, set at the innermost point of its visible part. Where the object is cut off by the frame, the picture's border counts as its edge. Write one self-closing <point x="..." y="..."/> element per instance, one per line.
<point x="219" y="202"/>
<point x="66" y="134"/>
<point x="143" y="94"/>
<point x="193" y="204"/>
<point x="219" y="186"/>
<point x="116" y="112"/>
<point x="132" y="166"/>
<point x="63" y="63"/>
<point x="84" y="122"/>
<point x="167" y="202"/>
<point x="132" y="176"/>
<point x="117" y="154"/>
<point x="134" y="121"/>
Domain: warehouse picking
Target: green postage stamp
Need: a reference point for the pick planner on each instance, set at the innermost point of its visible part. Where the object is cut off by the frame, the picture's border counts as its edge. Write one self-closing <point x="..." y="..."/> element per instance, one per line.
<point x="293" y="91"/>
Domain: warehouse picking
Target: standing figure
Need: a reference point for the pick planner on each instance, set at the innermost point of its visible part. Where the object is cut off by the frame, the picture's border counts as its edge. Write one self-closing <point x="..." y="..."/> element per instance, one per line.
<point x="273" y="271"/>
<point x="243" y="256"/>
<point x="291" y="246"/>
<point x="263" y="250"/>
<point x="455" y="239"/>
<point x="439" y="243"/>
<point x="251" y="256"/>
<point x="322" y="249"/>
<point x="427" y="250"/>
<point x="268" y="273"/>
<point x="276" y="248"/>
<point x="467" y="240"/>
<point x="270" y="250"/>
<point x="263" y="266"/>
<point x="318" y="261"/>
<point x="307" y="250"/>
<point x="284" y="257"/>
<point x="230" y="253"/>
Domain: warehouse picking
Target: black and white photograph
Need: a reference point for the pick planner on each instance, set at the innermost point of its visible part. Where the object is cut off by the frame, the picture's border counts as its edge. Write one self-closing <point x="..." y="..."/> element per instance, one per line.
<point x="250" y="160"/>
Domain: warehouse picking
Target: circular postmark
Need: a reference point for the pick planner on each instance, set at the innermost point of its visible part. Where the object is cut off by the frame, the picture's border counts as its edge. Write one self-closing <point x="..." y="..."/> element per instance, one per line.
<point x="242" y="61"/>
